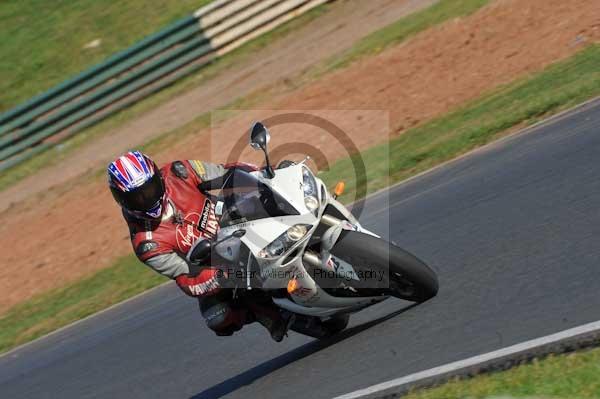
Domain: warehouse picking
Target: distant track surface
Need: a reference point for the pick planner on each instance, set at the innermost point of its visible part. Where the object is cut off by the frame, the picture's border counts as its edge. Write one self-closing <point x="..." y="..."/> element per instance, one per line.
<point x="513" y="232"/>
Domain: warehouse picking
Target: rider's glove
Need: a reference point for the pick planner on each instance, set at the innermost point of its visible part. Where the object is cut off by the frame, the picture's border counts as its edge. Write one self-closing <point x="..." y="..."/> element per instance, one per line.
<point x="200" y="254"/>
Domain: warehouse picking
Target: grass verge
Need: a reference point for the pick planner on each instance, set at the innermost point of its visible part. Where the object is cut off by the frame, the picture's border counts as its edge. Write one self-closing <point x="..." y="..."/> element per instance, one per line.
<point x="573" y="375"/>
<point x="526" y="101"/>
<point x="43" y="42"/>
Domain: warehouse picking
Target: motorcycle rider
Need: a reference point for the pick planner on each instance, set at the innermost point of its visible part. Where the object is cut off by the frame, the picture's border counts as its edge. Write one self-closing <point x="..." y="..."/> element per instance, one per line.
<point x="172" y="222"/>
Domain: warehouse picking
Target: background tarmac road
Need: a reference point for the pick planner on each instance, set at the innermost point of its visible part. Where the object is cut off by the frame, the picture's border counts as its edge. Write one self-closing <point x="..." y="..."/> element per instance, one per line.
<point x="513" y="232"/>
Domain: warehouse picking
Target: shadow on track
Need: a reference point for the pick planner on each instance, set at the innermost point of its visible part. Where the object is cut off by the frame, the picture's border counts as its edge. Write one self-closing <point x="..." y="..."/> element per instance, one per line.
<point x="248" y="377"/>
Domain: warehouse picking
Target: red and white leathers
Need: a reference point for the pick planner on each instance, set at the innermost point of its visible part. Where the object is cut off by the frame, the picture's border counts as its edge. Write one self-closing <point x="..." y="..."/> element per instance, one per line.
<point x="188" y="216"/>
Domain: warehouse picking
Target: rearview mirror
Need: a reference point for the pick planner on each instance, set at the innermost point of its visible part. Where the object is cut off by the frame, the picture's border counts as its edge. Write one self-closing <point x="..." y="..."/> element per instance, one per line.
<point x="259" y="137"/>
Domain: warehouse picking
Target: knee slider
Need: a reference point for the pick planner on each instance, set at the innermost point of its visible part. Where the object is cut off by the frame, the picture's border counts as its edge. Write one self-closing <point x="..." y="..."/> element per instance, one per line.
<point x="219" y="318"/>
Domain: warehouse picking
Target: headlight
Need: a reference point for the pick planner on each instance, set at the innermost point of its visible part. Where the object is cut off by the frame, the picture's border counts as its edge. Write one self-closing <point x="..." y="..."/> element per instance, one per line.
<point x="311" y="203"/>
<point x="296" y="232"/>
<point x="309" y="185"/>
<point x="284" y="242"/>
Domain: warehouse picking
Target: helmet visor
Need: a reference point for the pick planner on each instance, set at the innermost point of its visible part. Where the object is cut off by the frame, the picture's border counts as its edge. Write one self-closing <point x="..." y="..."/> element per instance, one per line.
<point x="146" y="196"/>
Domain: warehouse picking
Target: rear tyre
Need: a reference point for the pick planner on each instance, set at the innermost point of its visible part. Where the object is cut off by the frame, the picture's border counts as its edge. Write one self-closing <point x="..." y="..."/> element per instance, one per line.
<point x="397" y="272"/>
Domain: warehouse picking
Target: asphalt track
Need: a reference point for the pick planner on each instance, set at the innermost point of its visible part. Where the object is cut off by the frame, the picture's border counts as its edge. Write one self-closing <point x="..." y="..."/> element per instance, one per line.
<point x="513" y="232"/>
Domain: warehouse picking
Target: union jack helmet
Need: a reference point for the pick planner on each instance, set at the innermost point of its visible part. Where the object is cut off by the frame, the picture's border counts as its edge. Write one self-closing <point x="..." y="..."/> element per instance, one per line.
<point x="136" y="184"/>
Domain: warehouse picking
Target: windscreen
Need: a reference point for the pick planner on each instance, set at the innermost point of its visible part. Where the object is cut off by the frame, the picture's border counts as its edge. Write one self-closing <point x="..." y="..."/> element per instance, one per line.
<point x="246" y="198"/>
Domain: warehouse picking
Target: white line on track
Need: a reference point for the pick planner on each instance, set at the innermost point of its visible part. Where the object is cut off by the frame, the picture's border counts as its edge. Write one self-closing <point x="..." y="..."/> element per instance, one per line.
<point x="451" y="368"/>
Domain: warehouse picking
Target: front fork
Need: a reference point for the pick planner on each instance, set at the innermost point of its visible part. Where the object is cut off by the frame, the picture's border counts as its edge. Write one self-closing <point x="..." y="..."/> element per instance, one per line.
<point x="302" y="287"/>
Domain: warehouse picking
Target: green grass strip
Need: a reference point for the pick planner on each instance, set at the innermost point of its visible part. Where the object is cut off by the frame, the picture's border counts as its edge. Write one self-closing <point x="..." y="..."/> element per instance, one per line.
<point x="569" y="376"/>
<point x="43" y="41"/>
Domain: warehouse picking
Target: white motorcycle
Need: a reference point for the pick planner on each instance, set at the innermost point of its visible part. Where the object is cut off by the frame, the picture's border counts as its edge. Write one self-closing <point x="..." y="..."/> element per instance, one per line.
<point x="286" y="239"/>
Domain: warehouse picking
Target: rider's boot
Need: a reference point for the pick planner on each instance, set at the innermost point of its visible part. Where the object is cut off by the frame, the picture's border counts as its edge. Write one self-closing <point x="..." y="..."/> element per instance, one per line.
<point x="273" y="320"/>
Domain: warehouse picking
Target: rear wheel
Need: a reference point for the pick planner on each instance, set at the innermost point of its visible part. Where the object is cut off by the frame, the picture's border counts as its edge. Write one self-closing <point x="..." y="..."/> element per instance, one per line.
<point x="386" y="267"/>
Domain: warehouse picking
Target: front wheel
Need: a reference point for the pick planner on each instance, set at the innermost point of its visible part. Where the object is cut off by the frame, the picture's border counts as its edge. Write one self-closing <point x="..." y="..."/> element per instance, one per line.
<point x="386" y="267"/>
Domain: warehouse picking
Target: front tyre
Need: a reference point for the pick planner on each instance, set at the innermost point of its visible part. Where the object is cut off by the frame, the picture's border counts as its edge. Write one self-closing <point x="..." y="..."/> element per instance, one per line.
<point x="398" y="272"/>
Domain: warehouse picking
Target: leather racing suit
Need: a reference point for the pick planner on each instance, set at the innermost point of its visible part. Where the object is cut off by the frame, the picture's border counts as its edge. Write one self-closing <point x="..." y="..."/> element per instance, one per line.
<point x="188" y="217"/>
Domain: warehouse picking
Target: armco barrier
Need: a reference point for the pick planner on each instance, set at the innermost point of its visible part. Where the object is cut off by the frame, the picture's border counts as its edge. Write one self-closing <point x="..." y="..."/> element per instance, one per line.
<point x="146" y="67"/>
